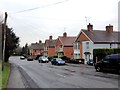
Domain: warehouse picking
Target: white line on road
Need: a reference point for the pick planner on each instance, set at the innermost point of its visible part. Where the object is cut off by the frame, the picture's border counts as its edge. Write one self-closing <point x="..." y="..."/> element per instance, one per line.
<point x="60" y="75"/>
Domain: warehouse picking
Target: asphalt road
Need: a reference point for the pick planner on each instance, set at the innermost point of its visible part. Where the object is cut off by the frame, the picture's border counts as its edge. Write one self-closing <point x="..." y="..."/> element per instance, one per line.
<point x="45" y="75"/>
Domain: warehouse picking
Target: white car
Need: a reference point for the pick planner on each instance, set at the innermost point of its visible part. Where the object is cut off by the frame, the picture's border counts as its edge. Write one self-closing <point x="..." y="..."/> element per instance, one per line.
<point x="22" y="57"/>
<point x="43" y="59"/>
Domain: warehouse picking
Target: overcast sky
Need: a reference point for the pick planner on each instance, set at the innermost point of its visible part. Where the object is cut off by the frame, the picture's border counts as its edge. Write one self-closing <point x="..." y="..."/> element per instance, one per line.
<point x="34" y="20"/>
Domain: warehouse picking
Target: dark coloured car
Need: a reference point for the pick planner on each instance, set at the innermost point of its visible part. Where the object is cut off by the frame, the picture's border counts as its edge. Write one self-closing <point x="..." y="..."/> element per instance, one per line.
<point x="90" y="62"/>
<point x="37" y="57"/>
<point x="110" y="62"/>
<point x="29" y="58"/>
<point x="57" y="61"/>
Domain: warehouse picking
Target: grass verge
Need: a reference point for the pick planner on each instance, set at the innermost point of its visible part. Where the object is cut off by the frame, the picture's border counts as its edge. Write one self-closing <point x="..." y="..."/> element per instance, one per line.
<point x="0" y="74"/>
<point x="5" y="75"/>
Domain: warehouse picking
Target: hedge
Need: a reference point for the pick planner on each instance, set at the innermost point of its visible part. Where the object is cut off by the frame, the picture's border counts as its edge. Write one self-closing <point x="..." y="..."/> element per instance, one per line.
<point x="101" y="53"/>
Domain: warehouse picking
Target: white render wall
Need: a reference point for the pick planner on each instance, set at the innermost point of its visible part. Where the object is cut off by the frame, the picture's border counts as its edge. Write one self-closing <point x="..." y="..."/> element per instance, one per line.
<point x="94" y="46"/>
<point x="76" y="51"/>
<point x="76" y="54"/>
<point x="90" y="49"/>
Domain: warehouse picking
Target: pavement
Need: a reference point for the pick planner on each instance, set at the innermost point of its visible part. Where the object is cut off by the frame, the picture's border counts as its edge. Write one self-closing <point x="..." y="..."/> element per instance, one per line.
<point x="15" y="79"/>
<point x="19" y="79"/>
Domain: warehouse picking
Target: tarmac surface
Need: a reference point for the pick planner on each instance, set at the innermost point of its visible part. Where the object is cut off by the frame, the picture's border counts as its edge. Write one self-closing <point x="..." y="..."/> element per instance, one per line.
<point x="15" y="79"/>
<point x="19" y="79"/>
<point x="31" y="74"/>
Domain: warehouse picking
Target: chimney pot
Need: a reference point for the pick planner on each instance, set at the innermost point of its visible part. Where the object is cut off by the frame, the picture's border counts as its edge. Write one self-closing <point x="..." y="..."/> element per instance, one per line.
<point x="109" y="28"/>
<point x="50" y="37"/>
<point x="64" y="34"/>
<point x="40" y="41"/>
<point x="90" y="27"/>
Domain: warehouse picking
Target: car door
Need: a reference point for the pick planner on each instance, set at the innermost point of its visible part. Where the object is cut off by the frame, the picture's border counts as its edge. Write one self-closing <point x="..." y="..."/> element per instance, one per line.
<point x="106" y="63"/>
<point x="54" y="61"/>
<point x="113" y="63"/>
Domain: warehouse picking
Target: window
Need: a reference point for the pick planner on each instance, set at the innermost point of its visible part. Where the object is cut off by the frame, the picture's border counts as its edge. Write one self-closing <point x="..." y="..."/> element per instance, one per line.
<point x="106" y="59"/>
<point x="76" y="56"/>
<point x="76" y="45"/>
<point x="87" y="45"/>
<point x="60" y="46"/>
<point x="118" y="45"/>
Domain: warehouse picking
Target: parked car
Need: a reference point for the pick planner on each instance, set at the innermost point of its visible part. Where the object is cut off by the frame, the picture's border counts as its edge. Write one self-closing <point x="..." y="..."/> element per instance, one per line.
<point x="37" y="57"/>
<point x="90" y="62"/>
<point x="29" y="58"/>
<point x="110" y="62"/>
<point x="22" y="57"/>
<point x="43" y="59"/>
<point x="57" y="61"/>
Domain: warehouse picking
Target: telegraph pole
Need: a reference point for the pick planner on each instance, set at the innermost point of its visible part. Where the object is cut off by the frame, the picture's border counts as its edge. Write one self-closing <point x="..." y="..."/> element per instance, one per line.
<point x="4" y="40"/>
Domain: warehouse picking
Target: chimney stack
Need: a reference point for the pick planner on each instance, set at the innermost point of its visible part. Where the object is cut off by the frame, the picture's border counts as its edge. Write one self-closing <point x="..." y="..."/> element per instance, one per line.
<point x="109" y="28"/>
<point x="40" y="41"/>
<point x="64" y="34"/>
<point x="50" y="37"/>
<point x="90" y="27"/>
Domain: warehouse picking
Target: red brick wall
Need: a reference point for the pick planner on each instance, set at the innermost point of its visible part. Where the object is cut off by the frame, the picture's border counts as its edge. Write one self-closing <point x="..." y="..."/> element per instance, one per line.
<point x="37" y="52"/>
<point x="58" y="43"/>
<point x="81" y="38"/>
<point x="80" y="49"/>
<point x="51" y="51"/>
<point x="68" y="51"/>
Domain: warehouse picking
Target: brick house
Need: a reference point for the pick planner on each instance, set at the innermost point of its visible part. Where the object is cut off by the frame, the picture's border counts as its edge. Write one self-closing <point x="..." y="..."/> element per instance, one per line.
<point x="64" y="45"/>
<point x="36" y="48"/>
<point x="90" y="39"/>
<point x="49" y="47"/>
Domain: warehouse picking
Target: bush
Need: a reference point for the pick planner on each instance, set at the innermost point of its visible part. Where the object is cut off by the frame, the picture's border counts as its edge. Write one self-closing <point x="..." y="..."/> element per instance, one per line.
<point x="55" y="56"/>
<point x="51" y="57"/>
<point x="66" y="59"/>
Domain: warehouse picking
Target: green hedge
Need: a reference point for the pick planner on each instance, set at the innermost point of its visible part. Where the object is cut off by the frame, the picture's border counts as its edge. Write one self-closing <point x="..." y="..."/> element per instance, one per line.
<point x="101" y="53"/>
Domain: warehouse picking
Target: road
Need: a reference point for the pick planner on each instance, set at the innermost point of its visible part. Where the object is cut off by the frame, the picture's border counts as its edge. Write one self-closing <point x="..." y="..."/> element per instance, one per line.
<point x="45" y="75"/>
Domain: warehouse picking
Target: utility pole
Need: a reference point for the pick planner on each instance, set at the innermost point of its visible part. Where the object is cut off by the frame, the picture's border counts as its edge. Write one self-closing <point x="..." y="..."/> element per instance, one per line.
<point x="4" y="40"/>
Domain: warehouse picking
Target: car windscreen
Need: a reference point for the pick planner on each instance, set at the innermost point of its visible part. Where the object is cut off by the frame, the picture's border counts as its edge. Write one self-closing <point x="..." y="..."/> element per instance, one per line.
<point x="59" y="59"/>
<point x="43" y="57"/>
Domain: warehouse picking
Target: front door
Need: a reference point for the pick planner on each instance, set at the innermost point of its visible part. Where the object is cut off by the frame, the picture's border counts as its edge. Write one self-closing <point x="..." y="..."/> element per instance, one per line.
<point x="87" y="57"/>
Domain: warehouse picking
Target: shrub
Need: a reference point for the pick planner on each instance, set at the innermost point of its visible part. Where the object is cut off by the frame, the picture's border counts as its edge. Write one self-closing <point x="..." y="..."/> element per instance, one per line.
<point x="65" y="58"/>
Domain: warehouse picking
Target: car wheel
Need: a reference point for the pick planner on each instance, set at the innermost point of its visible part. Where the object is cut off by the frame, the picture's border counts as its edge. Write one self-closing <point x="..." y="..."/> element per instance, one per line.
<point x="57" y="64"/>
<point x="119" y="72"/>
<point x="98" y="69"/>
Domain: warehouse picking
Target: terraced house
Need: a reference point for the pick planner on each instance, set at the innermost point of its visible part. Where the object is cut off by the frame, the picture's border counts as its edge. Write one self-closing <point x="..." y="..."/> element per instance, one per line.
<point x="89" y="39"/>
<point x="64" y="45"/>
<point x="36" y="48"/>
<point x="49" y="47"/>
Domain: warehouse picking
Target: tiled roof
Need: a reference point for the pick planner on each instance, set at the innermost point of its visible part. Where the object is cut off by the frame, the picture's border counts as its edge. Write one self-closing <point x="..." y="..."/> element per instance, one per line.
<point x="50" y="43"/>
<point x="37" y="46"/>
<point x="67" y="41"/>
<point x="100" y="36"/>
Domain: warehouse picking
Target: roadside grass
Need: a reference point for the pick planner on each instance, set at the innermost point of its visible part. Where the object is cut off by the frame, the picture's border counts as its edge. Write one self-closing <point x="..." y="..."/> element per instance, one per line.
<point x="0" y="74"/>
<point x="5" y="74"/>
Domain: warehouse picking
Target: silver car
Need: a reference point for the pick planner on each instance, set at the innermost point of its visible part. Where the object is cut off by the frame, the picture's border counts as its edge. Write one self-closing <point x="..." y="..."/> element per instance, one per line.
<point x="43" y="59"/>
